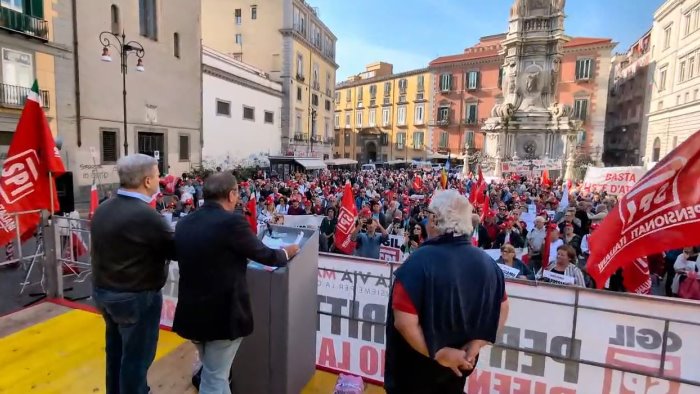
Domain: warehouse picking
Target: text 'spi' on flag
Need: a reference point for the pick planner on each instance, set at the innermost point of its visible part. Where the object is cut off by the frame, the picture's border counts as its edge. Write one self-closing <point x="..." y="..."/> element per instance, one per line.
<point x="661" y="212"/>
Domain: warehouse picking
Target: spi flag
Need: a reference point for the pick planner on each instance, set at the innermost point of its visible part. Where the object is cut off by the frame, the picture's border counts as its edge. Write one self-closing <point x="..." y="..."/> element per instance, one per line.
<point x="661" y="212"/>
<point x="94" y="201"/>
<point x="417" y="183"/>
<point x="24" y="184"/>
<point x="346" y="222"/>
<point x="252" y="214"/>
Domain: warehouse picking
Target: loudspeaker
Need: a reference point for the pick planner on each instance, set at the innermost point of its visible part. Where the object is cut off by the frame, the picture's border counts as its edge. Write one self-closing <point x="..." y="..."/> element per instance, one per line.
<point x="64" y="189"/>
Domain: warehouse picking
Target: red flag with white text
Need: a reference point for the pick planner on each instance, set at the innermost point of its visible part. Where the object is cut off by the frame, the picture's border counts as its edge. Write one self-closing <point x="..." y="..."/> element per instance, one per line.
<point x="636" y="278"/>
<point x="25" y="182"/>
<point x="346" y="222"/>
<point x="661" y="212"/>
<point x="94" y="200"/>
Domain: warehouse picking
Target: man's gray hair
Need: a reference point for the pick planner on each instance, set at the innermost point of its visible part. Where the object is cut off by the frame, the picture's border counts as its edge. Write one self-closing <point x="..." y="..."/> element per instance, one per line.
<point x="453" y="212"/>
<point x="218" y="186"/>
<point x="133" y="168"/>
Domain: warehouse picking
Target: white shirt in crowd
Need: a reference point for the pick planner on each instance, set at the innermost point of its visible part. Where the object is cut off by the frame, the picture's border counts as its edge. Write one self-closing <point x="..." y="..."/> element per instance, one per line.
<point x="553" y="250"/>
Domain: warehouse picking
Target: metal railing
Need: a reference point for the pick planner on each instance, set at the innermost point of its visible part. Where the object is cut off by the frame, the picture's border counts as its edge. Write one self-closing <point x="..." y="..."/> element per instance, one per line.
<point x="24" y="24"/>
<point x="16" y="96"/>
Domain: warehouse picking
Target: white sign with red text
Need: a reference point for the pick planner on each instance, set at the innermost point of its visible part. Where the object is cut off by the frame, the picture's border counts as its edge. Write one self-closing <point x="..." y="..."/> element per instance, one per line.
<point x="613" y="180"/>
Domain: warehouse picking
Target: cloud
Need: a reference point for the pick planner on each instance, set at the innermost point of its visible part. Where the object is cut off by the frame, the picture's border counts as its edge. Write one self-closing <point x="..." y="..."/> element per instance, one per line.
<point x="354" y="54"/>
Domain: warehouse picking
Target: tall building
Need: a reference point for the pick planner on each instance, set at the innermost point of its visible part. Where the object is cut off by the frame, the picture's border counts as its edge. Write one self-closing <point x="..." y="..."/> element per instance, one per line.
<point x="382" y="116"/>
<point x="241" y="112"/>
<point x="674" y="113"/>
<point x="287" y="40"/>
<point x="628" y="104"/>
<point x="163" y="89"/>
<point x="470" y="88"/>
<point x="28" y="49"/>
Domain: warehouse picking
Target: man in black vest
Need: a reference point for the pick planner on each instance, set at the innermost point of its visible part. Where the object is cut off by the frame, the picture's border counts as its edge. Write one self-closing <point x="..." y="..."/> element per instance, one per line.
<point x="213" y="246"/>
<point x="131" y="244"/>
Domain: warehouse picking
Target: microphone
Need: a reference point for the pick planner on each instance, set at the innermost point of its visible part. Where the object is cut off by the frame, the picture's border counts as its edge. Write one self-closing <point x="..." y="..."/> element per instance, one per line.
<point x="269" y="228"/>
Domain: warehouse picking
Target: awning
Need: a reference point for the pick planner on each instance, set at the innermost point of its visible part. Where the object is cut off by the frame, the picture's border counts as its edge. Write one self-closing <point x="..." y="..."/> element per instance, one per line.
<point x="311" y="164"/>
<point x="341" y="162"/>
<point x="396" y="162"/>
<point x="433" y="156"/>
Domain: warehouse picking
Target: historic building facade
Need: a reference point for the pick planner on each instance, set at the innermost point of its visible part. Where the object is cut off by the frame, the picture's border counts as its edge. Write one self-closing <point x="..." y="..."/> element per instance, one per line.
<point x="287" y="40"/>
<point x="381" y="116"/>
<point x="628" y="104"/>
<point x="674" y="112"/>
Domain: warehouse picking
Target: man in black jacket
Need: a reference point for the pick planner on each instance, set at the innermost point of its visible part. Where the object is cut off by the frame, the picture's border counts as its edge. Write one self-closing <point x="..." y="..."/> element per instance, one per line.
<point x="213" y="246"/>
<point x="131" y="243"/>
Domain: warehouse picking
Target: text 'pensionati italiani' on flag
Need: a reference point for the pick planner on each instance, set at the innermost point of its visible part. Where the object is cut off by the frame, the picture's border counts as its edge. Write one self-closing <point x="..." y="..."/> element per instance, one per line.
<point x="24" y="184"/>
<point x="660" y="213"/>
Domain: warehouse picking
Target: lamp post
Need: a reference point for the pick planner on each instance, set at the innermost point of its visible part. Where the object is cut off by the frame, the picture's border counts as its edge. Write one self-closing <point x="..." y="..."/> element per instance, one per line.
<point x="124" y="49"/>
<point x="312" y="125"/>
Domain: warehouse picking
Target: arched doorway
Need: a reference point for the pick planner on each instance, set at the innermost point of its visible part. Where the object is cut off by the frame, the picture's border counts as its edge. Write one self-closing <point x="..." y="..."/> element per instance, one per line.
<point x="371" y="152"/>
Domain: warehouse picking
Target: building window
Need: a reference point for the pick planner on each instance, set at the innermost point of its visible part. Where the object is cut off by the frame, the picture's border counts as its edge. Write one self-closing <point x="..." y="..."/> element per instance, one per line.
<point x="300" y="66"/>
<point x="248" y="113"/>
<point x="348" y="95"/>
<point x="269" y="117"/>
<point x="687" y="23"/>
<point x="239" y="38"/>
<point x="297" y="125"/>
<point x="472" y="113"/>
<point x="184" y="147"/>
<point x="401" y="115"/>
<point x="696" y="18"/>
<point x="14" y="5"/>
<point x="253" y="12"/>
<point x="17" y="70"/>
<point x="238" y="14"/>
<point x="681" y="71"/>
<point x="347" y="119"/>
<point x="336" y="121"/>
<point x="346" y="138"/>
<point x="662" y="79"/>
<point x="443" y="140"/>
<point x="421" y="83"/>
<point x="384" y="139"/>
<point x="445" y="82"/>
<point x="316" y="83"/>
<point x="387" y="89"/>
<point x="419" y="114"/>
<point x="337" y="97"/>
<point x="223" y="108"/>
<point x="298" y="93"/>
<point x="358" y="119"/>
<point x="583" y="69"/>
<point x="470" y="138"/>
<point x="176" y="45"/>
<point x="691" y="67"/>
<point x="667" y="37"/>
<point x="444" y="114"/>
<point x="372" y="117"/>
<point x="400" y="140"/>
<point x="314" y="100"/>
<point x="581" y="109"/>
<point x="373" y="91"/>
<point x="110" y="152"/>
<point x="656" y="151"/>
<point x="328" y="105"/>
<point x="417" y="139"/>
<point x="403" y="85"/>
<point x="116" y="26"/>
<point x="472" y="80"/>
<point x="329" y="85"/>
<point x="148" y="19"/>
<point x="386" y="117"/>
<point x="359" y="94"/>
<point x="336" y="139"/>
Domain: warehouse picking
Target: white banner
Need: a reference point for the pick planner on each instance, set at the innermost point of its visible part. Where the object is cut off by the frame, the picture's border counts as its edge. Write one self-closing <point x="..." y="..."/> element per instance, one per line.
<point x="613" y="180"/>
<point x="303" y="221"/>
<point x="390" y="251"/>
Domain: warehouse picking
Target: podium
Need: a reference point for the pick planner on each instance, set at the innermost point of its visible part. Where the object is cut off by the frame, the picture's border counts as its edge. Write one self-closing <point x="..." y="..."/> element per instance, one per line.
<point x="279" y="357"/>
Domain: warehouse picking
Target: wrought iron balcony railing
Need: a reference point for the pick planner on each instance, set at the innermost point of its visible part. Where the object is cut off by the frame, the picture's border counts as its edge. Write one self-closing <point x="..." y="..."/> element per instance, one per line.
<point x="24" y="24"/>
<point x="15" y="96"/>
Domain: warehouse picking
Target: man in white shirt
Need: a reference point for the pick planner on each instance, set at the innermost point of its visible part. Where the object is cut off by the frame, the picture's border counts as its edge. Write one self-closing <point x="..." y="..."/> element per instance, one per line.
<point x="535" y="239"/>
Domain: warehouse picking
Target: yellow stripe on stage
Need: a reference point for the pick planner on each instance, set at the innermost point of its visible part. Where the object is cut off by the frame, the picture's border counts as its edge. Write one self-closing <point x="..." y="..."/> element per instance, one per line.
<point x="64" y="354"/>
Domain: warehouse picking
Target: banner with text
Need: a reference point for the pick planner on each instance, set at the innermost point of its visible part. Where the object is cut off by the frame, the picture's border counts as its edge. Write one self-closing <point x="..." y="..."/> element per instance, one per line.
<point x="613" y="180"/>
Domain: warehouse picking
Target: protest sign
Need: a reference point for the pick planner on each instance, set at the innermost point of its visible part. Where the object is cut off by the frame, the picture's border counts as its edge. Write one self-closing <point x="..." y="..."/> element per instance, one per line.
<point x="509" y="272"/>
<point x="390" y="251"/>
<point x="613" y="180"/>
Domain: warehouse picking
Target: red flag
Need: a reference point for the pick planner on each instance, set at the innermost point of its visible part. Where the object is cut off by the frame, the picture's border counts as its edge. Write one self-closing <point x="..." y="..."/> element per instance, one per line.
<point x="153" y="202"/>
<point x="481" y="177"/>
<point x="346" y="222"/>
<point x="661" y="212"/>
<point x="25" y="182"/>
<point x="635" y="277"/>
<point x="485" y="209"/>
<point x="252" y="215"/>
<point x="546" y="244"/>
<point x="545" y="178"/>
<point x="480" y="196"/>
<point x="94" y="201"/>
<point x="417" y="183"/>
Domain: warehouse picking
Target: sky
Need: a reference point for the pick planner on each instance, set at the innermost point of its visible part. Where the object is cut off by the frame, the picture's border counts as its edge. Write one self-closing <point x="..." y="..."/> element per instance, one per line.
<point x="410" y="33"/>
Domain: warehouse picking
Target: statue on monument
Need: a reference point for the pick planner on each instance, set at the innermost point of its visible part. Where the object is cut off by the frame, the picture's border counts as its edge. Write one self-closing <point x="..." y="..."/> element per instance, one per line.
<point x="531" y="84"/>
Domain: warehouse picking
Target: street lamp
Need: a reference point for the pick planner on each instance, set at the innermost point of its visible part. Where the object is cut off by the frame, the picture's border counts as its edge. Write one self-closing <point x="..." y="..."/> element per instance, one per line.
<point x="124" y="49"/>
<point x="312" y="111"/>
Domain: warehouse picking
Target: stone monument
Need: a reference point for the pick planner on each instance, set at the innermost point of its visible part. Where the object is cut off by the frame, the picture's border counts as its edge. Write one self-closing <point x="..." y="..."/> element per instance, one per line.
<point x="529" y="122"/>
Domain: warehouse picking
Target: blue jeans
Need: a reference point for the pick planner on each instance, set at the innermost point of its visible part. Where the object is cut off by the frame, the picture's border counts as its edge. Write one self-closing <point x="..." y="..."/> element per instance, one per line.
<point x="132" y="327"/>
<point x="216" y="358"/>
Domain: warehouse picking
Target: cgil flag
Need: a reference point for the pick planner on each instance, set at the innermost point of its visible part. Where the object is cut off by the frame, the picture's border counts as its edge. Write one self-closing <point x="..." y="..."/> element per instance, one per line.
<point x="26" y="183"/>
<point x="661" y="212"/>
<point x="346" y="222"/>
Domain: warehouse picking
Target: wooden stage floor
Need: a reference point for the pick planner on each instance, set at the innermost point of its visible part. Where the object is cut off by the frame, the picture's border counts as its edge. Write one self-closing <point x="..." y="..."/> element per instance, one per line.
<point x="53" y="349"/>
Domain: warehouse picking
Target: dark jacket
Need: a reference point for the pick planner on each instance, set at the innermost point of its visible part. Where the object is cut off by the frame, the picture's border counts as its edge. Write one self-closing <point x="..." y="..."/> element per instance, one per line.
<point x="131" y="243"/>
<point x="213" y="247"/>
<point x="515" y="239"/>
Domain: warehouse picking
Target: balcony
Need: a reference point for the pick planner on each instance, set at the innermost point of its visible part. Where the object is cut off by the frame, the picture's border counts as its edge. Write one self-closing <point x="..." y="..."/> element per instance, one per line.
<point x="14" y="96"/>
<point x="24" y="24"/>
<point x="440" y="122"/>
<point x="300" y="137"/>
<point x="470" y="121"/>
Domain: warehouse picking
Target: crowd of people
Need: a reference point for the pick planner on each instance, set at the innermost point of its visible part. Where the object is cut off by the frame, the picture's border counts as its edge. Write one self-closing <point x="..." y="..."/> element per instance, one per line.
<point x="514" y="214"/>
